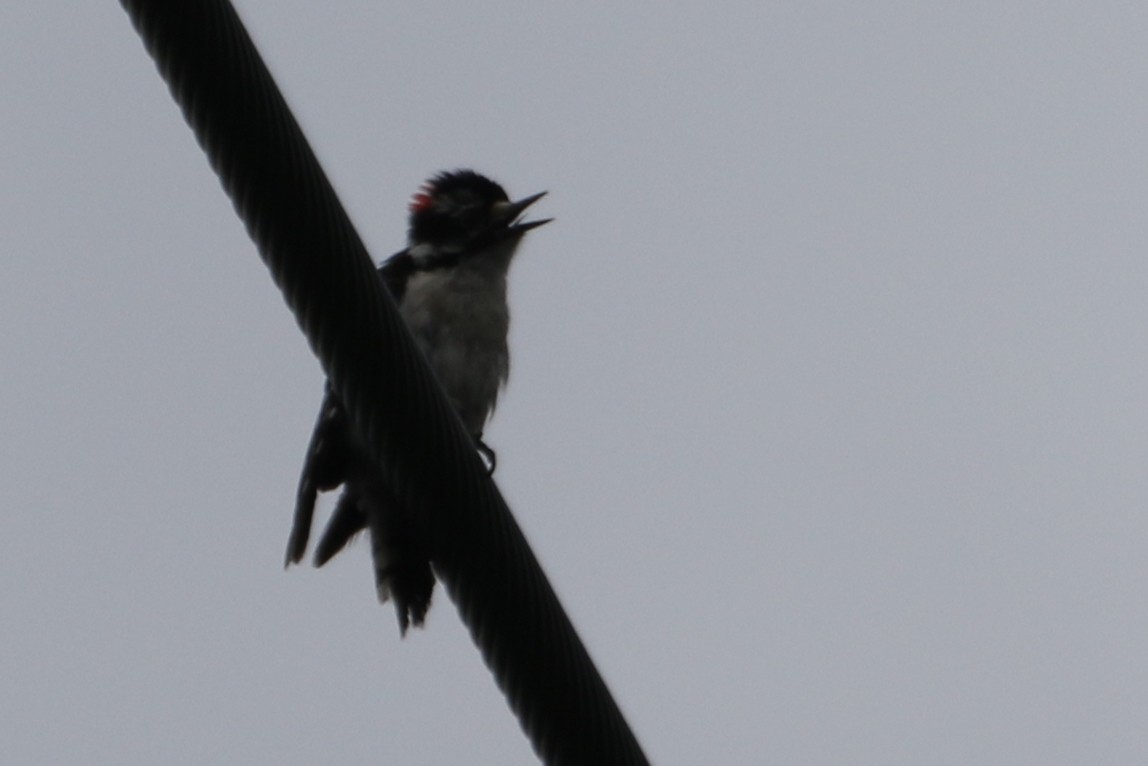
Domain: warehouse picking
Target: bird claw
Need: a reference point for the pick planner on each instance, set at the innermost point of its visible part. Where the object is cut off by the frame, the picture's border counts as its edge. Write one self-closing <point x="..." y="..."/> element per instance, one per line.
<point x="487" y="453"/>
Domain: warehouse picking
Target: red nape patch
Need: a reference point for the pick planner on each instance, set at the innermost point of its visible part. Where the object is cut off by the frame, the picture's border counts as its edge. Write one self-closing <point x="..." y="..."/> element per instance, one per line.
<point x="422" y="199"/>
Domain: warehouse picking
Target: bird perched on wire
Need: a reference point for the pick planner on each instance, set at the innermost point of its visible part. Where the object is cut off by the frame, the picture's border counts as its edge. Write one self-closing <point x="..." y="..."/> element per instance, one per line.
<point x="450" y="287"/>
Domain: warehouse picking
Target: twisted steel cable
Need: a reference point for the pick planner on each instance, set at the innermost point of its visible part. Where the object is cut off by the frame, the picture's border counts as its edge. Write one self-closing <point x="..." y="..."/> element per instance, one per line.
<point x="318" y="261"/>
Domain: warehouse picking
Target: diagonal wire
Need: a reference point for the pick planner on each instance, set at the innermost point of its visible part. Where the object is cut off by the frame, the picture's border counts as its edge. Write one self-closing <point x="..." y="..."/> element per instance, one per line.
<point x="325" y="273"/>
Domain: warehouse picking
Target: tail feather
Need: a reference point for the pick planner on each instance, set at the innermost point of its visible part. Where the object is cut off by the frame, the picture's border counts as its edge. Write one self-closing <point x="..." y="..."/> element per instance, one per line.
<point x="401" y="563"/>
<point x="402" y="573"/>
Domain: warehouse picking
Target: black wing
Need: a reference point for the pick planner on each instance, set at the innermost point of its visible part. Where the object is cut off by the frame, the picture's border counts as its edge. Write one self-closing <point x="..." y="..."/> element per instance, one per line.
<point x="331" y="451"/>
<point x="395" y="272"/>
<point x="324" y="468"/>
<point x="334" y="458"/>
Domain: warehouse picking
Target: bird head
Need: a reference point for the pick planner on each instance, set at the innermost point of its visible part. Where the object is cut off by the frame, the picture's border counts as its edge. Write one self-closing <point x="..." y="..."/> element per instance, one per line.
<point x="462" y="211"/>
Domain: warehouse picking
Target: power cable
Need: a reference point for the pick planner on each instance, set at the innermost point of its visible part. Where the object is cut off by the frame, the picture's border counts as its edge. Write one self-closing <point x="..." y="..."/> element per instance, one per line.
<point x="319" y="262"/>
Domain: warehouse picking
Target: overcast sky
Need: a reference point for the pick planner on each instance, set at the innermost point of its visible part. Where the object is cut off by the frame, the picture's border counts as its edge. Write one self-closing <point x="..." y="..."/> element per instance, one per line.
<point x="828" y="415"/>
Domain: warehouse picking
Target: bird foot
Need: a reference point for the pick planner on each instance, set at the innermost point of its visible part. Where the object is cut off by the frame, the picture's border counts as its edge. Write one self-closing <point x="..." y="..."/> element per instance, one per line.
<point x="487" y="453"/>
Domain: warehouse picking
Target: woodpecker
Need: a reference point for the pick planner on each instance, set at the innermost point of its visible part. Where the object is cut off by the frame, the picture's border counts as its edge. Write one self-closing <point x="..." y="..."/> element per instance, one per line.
<point x="450" y="286"/>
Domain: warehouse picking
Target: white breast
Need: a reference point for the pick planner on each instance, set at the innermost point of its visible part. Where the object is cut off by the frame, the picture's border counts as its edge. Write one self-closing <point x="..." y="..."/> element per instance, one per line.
<point x="460" y="319"/>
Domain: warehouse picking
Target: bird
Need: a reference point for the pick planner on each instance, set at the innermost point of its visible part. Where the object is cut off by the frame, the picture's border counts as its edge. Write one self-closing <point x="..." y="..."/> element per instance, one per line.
<point x="449" y="283"/>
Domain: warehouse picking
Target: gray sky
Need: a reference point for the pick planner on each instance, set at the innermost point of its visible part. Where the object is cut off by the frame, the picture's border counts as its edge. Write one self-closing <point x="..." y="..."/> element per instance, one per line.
<point x="829" y="407"/>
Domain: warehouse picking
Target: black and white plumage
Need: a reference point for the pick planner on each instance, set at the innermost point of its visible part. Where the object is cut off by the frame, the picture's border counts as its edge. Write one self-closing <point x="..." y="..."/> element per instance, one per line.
<point x="450" y="286"/>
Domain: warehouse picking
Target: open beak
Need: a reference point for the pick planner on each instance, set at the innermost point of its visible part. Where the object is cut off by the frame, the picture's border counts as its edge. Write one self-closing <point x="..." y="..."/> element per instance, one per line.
<point x="511" y="210"/>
